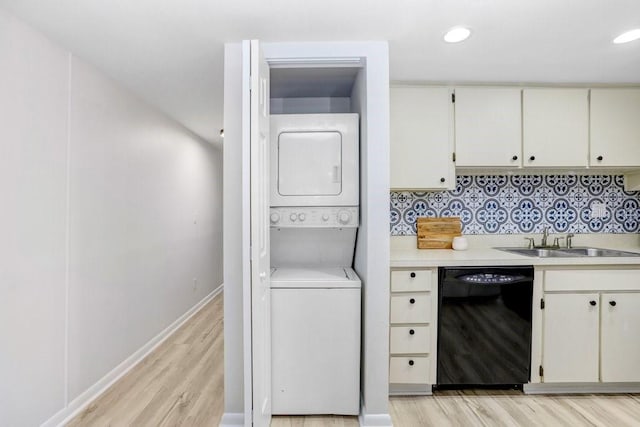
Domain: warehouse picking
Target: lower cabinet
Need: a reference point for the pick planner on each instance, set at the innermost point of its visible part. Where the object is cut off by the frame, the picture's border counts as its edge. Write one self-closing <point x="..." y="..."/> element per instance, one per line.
<point x="620" y="332"/>
<point x="591" y="326"/>
<point x="571" y="331"/>
<point x="412" y="332"/>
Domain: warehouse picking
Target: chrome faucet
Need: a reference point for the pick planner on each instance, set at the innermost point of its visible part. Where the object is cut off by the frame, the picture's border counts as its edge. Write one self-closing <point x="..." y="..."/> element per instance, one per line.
<point x="532" y="242"/>
<point x="556" y="242"/>
<point x="545" y="236"/>
<point x="569" y="236"/>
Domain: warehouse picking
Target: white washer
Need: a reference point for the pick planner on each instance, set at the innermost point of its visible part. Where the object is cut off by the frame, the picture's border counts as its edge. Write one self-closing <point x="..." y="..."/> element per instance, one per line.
<point x="315" y="355"/>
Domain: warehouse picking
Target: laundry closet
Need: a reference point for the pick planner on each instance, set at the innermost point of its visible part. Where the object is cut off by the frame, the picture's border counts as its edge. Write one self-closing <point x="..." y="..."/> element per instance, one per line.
<point x="307" y="126"/>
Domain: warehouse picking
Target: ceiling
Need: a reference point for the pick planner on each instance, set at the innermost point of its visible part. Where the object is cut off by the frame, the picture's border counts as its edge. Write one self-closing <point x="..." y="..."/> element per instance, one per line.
<point x="170" y="52"/>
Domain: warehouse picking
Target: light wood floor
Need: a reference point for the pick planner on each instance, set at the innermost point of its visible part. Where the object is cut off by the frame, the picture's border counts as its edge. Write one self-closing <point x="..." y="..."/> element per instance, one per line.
<point x="181" y="384"/>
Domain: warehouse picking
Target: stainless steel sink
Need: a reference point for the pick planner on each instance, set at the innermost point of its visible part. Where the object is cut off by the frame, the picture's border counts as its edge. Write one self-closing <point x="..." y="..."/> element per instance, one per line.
<point x="597" y="252"/>
<point x="569" y="253"/>
<point x="540" y="253"/>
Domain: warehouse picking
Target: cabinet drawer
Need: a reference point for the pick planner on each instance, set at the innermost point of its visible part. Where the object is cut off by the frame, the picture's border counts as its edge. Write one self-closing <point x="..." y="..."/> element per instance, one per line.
<point x="411" y="280"/>
<point x="402" y="371"/>
<point x="410" y="308"/>
<point x="402" y="340"/>
<point x="591" y="280"/>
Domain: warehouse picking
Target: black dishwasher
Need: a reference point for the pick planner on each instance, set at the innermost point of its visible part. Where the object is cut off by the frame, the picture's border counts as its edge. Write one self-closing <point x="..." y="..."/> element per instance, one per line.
<point x="484" y="326"/>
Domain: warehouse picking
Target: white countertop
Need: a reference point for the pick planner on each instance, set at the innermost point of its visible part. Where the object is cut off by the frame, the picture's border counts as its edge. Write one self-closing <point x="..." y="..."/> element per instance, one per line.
<point x="481" y="252"/>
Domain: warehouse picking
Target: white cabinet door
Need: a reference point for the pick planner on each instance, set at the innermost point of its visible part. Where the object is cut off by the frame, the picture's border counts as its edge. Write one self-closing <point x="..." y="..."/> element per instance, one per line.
<point x="570" y="338"/>
<point x="555" y="127"/>
<point x="615" y="127"/>
<point x="620" y="337"/>
<point x="421" y="138"/>
<point x="260" y="246"/>
<point x="488" y="123"/>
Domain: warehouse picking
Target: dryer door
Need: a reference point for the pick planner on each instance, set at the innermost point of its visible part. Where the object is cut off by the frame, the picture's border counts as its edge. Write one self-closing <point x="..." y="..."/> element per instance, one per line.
<point x="314" y="160"/>
<point x="309" y="163"/>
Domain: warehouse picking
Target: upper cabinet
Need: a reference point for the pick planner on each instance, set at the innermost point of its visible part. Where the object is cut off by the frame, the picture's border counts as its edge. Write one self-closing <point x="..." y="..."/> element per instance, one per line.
<point x="615" y="127"/>
<point x="421" y="120"/>
<point x="511" y="128"/>
<point x="488" y="124"/>
<point x="555" y="127"/>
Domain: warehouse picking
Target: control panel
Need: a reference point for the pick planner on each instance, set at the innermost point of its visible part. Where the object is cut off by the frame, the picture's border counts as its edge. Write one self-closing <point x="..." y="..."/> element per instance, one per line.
<point x="314" y="217"/>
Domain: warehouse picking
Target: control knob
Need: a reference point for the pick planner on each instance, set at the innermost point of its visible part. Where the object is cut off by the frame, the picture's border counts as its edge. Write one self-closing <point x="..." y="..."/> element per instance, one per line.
<point x="325" y="217"/>
<point x="275" y="217"/>
<point x="301" y="217"/>
<point x="344" y="217"/>
<point x="293" y="217"/>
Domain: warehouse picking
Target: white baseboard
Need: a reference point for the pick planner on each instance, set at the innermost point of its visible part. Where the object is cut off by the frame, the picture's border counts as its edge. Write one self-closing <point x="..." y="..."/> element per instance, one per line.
<point x="232" y="419"/>
<point x="373" y="420"/>
<point x="410" y="390"/>
<point x="84" y="399"/>
<point x="575" y="388"/>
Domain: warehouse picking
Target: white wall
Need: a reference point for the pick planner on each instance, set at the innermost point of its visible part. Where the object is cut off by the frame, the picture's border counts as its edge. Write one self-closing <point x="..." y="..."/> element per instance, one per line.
<point x="33" y="170"/>
<point x="236" y="234"/>
<point x="371" y="100"/>
<point x="108" y="212"/>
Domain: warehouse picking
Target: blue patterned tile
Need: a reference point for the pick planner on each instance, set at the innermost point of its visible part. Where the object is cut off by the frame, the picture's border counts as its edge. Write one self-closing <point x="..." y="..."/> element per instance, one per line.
<point x="457" y="208"/>
<point x="628" y="215"/>
<point x="401" y="199"/>
<point x="526" y="215"/>
<point x="491" y="216"/>
<point x="561" y="215"/>
<point x="561" y="184"/>
<point x="500" y="204"/>
<point x="526" y="184"/>
<point x="595" y="184"/>
<point x="491" y="185"/>
<point x="579" y="197"/>
<point x="543" y="196"/>
<point x="438" y="200"/>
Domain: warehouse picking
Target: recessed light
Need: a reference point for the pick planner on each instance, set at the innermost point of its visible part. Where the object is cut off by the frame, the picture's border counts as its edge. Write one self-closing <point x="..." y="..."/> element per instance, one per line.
<point x="457" y="34"/>
<point x="627" y="37"/>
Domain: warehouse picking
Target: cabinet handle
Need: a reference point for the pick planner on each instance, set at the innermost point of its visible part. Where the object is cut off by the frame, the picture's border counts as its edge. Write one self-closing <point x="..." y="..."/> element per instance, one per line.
<point x="532" y="158"/>
<point x="599" y="158"/>
<point x="410" y="362"/>
<point x="412" y="275"/>
<point x="592" y="302"/>
<point x="442" y="180"/>
<point x="514" y="158"/>
<point x="612" y="303"/>
<point x="411" y="331"/>
<point x="412" y="301"/>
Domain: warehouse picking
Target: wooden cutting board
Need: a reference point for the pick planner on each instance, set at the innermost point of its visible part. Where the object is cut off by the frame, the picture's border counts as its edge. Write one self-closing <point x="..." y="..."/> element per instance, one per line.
<point x="438" y="233"/>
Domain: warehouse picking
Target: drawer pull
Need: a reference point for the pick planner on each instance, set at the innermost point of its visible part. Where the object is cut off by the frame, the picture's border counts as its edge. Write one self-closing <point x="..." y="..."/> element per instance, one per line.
<point x="612" y="303"/>
<point x="412" y="275"/>
<point x="411" y="331"/>
<point x="412" y="301"/>
<point x="592" y="302"/>
<point x="410" y="362"/>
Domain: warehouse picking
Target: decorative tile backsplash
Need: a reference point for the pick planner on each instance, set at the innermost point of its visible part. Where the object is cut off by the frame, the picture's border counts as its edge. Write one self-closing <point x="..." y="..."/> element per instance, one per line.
<point x="502" y="204"/>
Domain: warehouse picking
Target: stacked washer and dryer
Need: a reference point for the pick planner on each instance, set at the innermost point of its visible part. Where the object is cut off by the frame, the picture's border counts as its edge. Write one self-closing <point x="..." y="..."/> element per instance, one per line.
<point x="315" y="294"/>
